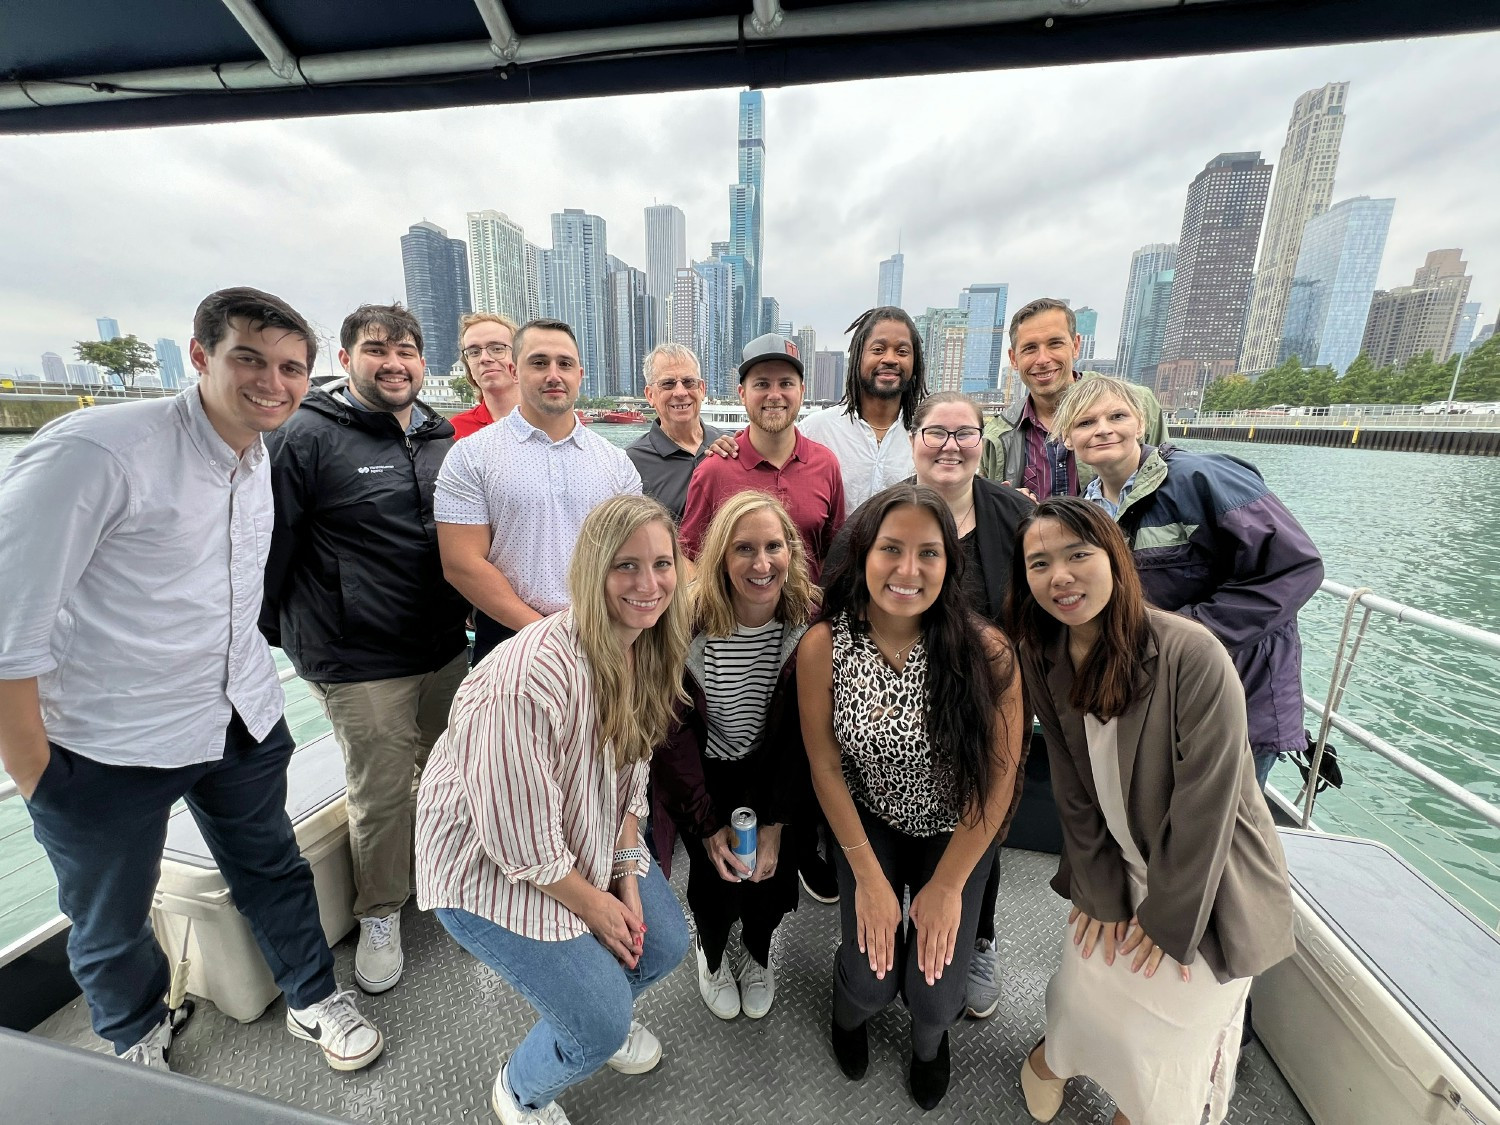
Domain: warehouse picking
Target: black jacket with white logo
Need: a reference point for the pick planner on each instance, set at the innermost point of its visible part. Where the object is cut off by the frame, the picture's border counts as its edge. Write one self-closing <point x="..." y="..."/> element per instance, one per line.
<point x="354" y="585"/>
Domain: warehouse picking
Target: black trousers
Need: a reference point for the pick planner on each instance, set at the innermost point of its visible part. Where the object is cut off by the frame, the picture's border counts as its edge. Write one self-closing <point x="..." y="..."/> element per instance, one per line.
<point x="908" y="863"/>
<point x="488" y="633"/>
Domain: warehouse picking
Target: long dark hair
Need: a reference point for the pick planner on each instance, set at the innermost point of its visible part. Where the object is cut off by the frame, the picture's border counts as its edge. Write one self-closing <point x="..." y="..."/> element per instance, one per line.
<point x="963" y="685"/>
<point x="863" y="324"/>
<point x="1112" y="673"/>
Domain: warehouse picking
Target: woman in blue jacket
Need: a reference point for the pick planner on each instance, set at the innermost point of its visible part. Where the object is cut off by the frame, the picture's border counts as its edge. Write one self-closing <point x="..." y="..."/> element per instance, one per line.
<point x="1211" y="542"/>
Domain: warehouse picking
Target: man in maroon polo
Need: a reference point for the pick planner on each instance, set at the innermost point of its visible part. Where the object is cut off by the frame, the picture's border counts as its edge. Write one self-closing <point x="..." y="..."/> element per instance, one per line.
<point x="773" y="456"/>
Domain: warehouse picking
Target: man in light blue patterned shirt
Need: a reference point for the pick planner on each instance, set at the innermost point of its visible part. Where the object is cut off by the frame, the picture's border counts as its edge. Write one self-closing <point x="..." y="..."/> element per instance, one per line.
<point x="133" y="673"/>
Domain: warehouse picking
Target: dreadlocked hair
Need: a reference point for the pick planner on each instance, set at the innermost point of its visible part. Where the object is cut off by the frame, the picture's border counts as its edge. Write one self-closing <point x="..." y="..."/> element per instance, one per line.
<point x="863" y="325"/>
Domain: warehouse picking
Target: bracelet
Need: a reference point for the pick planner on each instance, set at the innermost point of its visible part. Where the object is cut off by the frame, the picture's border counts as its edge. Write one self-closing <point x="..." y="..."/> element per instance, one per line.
<point x="847" y="848"/>
<point x="635" y="856"/>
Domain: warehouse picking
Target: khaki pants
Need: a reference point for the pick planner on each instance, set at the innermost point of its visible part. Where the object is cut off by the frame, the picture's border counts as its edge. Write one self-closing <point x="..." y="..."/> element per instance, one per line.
<point x="386" y="729"/>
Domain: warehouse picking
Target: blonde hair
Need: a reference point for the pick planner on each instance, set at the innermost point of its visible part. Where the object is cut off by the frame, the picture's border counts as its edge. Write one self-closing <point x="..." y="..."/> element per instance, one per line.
<point x="1085" y="393"/>
<point x="713" y="600"/>
<point x="466" y="322"/>
<point x="637" y="698"/>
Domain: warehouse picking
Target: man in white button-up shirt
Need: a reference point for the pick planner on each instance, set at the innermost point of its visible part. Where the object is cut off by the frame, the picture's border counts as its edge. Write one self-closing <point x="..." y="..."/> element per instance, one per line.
<point x="133" y="673"/>
<point x="867" y="429"/>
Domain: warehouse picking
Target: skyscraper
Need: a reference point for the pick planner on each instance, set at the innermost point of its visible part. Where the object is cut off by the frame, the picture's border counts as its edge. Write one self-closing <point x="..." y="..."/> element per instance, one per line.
<point x="54" y="370"/>
<point x="1333" y="281"/>
<point x="1153" y="298"/>
<point x="1088" y="331"/>
<point x="109" y="328"/>
<point x="944" y="334"/>
<point x="807" y="349"/>
<point x="717" y="357"/>
<point x="746" y="204"/>
<point x="1211" y="282"/>
<point x="1304" y="187"/>
<point x="1420" y="317"/>
<point x="689" y="319"/>
<point x="888" y="291"/>
<point x="1145" y="264"/>
<point x="666" y="253"/>
<point x="168" y="364"/>
<point x="770" y="316"/>
<point x="578" y="270"/>
<point x="497" y="261"/>
<point x="1468" y="324"/>
<point x="826" y="377"/>
<point x="984" y="342"/>
<point x="632" y="325"/>
<point x="437" y="289"/>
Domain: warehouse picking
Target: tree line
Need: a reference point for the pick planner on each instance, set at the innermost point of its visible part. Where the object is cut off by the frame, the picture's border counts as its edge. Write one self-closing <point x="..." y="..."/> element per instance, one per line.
<point x="1420" y="379"/>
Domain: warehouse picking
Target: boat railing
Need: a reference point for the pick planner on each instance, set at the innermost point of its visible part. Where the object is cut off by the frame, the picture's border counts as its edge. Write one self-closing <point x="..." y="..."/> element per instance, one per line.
<point x="1360" y="653"/>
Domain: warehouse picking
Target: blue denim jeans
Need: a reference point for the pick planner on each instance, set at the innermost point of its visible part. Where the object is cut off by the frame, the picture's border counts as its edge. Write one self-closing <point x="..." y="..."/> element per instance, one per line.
<point x="103" y="828"/>
<point x="1263" y="764"/>
<point x="582" y="994"/>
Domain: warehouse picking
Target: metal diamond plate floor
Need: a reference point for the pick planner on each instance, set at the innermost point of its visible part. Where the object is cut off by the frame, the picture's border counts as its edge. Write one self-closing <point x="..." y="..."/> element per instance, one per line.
<point x="450" y="1020"/>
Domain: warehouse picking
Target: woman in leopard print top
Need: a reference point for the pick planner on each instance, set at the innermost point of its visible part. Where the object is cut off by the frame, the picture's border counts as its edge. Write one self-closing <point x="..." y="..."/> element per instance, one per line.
<point x="911" y="713"/>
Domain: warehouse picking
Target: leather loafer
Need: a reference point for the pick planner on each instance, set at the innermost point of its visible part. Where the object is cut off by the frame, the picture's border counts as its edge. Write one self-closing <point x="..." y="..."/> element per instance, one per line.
<point x="929" y="1080"/>
<point x="1044" y="1096"/>
<point x="852" y="1049"/>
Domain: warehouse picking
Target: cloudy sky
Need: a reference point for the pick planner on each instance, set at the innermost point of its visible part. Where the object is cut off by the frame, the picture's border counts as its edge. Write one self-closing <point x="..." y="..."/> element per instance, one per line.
<point x="1046" y="179"/>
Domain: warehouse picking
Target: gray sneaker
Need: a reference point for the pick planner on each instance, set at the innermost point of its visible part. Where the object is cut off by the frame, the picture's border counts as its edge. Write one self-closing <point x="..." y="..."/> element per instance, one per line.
<point x="982" y="994"/>
<point x="378" y="959"/>
<point x="152" y="1051"/>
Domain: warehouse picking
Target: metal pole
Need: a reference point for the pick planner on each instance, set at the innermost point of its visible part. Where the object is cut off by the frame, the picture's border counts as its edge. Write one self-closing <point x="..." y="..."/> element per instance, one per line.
<point x="1453" y="390"/>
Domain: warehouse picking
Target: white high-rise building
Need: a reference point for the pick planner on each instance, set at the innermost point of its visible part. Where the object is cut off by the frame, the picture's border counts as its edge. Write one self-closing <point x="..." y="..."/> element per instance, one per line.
<point x="666" y="253"/>
<point x="1303" y="189"/>
<point x="497" y="264"/>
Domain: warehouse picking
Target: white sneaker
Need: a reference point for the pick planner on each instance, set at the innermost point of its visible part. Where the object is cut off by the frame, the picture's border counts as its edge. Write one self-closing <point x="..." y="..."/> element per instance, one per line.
<point x="640" y="1052"/>
<point x="348" y="1039"/>
<point x="757" y="988"/>
<point x="503" y="1102"/>
<point x="152" y="1050"/>
<point x="718" y="990"/>
<point x="378" y="960"/>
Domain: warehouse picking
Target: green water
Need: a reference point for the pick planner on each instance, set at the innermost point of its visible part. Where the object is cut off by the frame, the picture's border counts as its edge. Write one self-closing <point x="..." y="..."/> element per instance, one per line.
<point x="1417" y="528"/>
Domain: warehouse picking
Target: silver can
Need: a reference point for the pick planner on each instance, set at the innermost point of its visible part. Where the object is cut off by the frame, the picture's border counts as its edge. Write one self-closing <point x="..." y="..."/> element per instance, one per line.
<point x="745" y="826"/>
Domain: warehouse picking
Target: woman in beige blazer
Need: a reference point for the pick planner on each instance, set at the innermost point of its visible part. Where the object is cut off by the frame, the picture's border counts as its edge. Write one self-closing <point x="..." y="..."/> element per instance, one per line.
<point x="1177" y="880"/>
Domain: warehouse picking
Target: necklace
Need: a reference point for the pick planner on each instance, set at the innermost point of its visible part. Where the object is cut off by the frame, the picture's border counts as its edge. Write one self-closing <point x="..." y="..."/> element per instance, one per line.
<point x="900" y="653"/>
<point x="959" y="521"/>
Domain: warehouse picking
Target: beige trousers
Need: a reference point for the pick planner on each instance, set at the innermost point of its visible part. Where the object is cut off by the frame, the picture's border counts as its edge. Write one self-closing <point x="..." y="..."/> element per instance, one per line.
<point x="386" y="729"/>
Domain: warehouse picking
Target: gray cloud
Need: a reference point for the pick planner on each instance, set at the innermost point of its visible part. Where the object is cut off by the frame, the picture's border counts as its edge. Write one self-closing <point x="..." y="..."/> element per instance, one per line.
<point x="1046" y="179"/>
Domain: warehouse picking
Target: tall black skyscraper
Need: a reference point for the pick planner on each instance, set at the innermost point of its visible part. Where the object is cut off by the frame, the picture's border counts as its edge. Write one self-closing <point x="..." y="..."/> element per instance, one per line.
<point x="437" y="289"/>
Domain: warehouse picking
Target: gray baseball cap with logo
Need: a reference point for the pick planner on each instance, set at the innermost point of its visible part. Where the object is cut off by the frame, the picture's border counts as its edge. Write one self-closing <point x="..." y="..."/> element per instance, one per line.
<point x="770" y="346"/>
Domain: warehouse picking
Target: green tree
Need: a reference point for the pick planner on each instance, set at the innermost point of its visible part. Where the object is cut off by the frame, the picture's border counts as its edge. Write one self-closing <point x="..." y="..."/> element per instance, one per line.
<point x="1480" y="379"/>
<point x="1361" y="383"/>
<point x="463" y="390"/>
<point x="1229" y="393"/>
<point x="124" y="357"/>
<point x="1321" y="384"/>
<point x="1284" y="384"/>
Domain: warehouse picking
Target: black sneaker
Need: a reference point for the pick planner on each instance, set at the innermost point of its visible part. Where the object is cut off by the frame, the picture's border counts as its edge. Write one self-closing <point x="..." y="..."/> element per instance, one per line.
<point x="929" y="1080"/>
<point x="851" y="1048"/>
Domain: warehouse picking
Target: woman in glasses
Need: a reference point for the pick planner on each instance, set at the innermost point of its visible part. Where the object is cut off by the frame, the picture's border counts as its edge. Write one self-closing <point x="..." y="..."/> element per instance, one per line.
<point x="484" y="343"/>
<point x="946" y="447"/>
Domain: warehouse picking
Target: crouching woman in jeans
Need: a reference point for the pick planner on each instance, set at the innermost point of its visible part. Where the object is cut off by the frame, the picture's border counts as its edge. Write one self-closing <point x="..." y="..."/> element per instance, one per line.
<point x="528" y="848"/>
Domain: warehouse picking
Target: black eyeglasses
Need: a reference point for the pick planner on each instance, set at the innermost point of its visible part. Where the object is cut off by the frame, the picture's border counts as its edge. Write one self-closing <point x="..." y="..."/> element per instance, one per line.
<point x="965" y="437"/>
<point x="494" y="351"/>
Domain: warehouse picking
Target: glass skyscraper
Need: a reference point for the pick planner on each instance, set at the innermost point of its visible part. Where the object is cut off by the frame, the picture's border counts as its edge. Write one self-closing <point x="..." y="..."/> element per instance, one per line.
<point x="169" y="364"/>
<point x="984" y="344"/>
<point x="1333" y="282"/>
<point x="888" y="292"/>
<point x="437" y="289"/>
<point x="1145" y="264"/>
<point x="109" y="328"/>
<point x="746" y="203"/>
<point x="579" y="277"/>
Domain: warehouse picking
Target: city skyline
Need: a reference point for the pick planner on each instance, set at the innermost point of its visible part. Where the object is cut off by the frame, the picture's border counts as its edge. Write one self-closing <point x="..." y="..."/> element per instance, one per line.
<point x="824" y="237"/>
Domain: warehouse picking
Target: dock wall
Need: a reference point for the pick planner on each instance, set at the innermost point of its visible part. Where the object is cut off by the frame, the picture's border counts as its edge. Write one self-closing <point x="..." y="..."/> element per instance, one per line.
<point x="24" y="413"/>
<point x="1474" y="443"/>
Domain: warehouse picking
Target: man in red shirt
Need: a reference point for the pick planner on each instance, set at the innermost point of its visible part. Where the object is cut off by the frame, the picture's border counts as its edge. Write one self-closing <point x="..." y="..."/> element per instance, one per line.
<point x="484" y="342"/>
<point x="773" y="456"/>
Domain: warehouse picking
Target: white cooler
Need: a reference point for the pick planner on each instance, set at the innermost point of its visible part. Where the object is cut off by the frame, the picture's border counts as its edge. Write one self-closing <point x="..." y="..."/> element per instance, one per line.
<point x="227" y="967"/>
<point x="1389" y="1012"/>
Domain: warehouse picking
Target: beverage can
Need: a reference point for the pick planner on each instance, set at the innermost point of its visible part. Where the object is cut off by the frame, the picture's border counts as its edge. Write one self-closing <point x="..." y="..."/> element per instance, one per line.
<point x="744" y="825"/>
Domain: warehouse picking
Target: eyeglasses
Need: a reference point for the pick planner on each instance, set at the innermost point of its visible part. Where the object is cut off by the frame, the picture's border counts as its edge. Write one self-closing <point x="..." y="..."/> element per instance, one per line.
<point x="494" y="351"/>
<point x="670" y="385"/>
<point x="965" y="437"/>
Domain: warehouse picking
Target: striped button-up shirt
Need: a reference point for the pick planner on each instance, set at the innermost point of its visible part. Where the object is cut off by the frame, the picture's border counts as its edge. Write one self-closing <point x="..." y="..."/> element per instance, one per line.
<point x="518" y="791"/>
<point x="134" y="547"/>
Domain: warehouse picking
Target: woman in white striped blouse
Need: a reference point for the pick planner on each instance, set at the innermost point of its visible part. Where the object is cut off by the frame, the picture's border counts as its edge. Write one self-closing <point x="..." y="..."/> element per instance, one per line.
<point x="738" y="743"/>
<point x="527" y="841"/>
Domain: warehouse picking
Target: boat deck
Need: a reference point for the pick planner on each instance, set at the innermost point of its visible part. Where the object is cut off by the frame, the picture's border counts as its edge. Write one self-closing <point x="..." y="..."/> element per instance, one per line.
<point x="450" y="1020"/>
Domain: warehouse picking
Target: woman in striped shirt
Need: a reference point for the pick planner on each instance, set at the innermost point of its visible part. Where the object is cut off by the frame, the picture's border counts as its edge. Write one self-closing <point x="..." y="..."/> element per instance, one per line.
<point x="738" y="743"/>
<point x="527" y="842"/>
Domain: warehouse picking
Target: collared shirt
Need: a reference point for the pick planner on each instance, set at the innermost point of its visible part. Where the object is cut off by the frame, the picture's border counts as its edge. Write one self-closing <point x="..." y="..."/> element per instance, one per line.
<point x="518" y="791"/>
<point x="868" y="465"/>
<point x="533" y="493"/>
<point x="471" y="421"/>
<point x="134" y="552"/>
<point x="1094" y="491"/>
<point x="1050" y="468"/>
<point x="666" y="467"/>
<point x="809" y="485"/>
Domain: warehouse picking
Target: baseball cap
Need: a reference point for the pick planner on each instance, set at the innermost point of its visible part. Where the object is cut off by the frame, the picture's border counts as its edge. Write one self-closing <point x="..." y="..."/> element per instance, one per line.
<point x="769" y="346"/>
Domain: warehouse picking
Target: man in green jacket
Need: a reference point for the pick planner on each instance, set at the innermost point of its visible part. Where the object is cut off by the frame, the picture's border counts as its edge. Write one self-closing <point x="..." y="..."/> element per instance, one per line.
<point x="1044" y="345"/>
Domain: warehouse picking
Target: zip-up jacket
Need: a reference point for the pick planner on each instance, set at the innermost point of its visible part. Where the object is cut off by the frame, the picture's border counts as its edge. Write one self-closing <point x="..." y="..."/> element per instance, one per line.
<point x="354" y="585"/>
<point x="1003" y="455"/>
<point x="1213" y="543"/>
<point x="782" y="789"/>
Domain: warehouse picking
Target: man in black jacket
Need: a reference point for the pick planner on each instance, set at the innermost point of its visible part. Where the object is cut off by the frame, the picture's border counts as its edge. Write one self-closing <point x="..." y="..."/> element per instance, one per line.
<point x="355" y="596"/>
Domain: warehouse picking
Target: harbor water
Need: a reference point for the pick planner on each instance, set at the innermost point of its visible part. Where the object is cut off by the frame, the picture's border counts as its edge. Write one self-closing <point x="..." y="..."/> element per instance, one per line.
<point x="1423" y="529"/>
